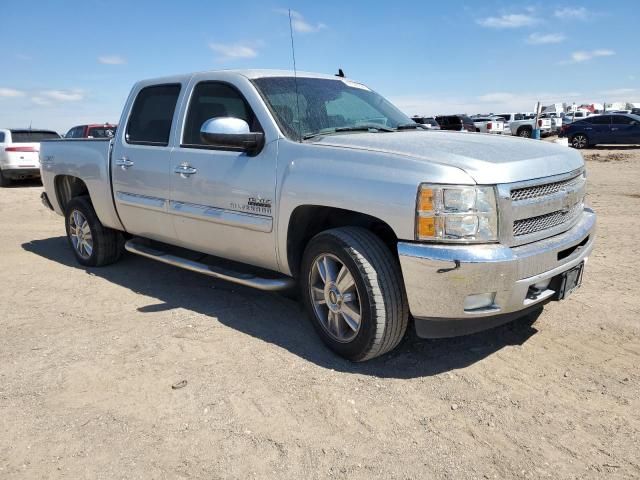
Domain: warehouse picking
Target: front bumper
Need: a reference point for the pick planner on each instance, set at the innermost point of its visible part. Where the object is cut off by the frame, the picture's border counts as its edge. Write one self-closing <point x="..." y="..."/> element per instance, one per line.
<point x="438" y="278"/>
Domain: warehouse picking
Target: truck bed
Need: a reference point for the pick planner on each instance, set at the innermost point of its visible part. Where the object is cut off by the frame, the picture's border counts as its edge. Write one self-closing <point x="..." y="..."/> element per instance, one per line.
<point x="85" y="158"/>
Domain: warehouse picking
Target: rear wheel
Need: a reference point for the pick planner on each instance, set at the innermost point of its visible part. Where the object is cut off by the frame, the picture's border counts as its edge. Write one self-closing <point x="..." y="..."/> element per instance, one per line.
<point x="354" y="293"/>
<point x="4" y="181"/>
<point x="524" y="132"/>
<point x="579" y="141"/>
<point x="93" y="244"/>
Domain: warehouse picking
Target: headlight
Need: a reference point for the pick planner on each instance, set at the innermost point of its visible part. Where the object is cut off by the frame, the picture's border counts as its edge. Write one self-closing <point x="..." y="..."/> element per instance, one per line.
<point x="456" y="214"/>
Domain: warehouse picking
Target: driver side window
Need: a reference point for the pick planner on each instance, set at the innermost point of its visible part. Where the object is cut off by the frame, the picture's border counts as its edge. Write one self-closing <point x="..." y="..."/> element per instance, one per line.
<point x="212" y="100"/>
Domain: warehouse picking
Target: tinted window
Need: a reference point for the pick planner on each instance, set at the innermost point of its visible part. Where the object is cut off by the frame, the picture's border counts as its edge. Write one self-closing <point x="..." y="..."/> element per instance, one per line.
<point x="152" y="114"/>
<point x="599" y="120"/>
<point x="101" y="132"/>
<point x="1" y="137"/>
<point x="29" y="136"/>
<point x="622" y="120"/>
<point x="211" y="100"/>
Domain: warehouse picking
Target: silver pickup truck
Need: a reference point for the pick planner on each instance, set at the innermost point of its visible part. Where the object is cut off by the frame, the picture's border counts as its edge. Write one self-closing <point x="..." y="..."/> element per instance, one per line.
<point x="275" y="181"/>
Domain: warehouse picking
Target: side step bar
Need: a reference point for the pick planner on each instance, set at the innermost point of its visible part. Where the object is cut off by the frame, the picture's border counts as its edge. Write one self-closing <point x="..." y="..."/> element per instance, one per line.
<point x="247" y="279"/>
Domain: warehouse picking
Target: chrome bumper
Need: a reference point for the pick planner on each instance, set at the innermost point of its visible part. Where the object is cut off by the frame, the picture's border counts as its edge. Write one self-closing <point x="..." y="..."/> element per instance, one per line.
<point x="438" y="278"/>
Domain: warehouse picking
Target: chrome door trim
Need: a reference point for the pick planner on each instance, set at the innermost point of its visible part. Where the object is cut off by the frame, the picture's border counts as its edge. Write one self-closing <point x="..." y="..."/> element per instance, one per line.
<point x="248" y="221"/>
<point x="142" y="201"/>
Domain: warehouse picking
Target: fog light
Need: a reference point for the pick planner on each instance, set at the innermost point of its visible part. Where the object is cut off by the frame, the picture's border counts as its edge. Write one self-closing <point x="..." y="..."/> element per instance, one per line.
<point x="480" y="300"/>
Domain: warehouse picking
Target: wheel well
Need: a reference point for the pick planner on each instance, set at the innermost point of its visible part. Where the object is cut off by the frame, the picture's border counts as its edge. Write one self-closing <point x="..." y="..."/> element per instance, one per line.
<point x="68" y="187"/>
<point x="525" y="127"/>
<point x="308" y="220"/>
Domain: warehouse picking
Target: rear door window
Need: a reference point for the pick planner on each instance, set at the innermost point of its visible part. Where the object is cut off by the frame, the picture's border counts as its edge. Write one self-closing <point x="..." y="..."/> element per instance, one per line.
<point x="621" y="120"/>
<point x="599" y="120"/>
<point x="152" y="115"/>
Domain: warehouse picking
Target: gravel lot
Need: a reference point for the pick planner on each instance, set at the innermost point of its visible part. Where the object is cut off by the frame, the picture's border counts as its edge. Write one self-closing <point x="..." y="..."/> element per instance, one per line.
<point x="88" y="358"/>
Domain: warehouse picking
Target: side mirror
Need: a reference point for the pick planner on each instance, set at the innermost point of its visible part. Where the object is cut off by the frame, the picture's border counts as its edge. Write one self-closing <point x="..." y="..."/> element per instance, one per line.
<point x="232" y="133"/>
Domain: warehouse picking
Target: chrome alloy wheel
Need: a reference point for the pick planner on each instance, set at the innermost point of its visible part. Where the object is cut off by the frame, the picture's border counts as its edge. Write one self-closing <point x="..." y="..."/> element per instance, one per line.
<point x="80" y="234"/>
<point x="335" y="298"/>
<point x="579" y="141"/>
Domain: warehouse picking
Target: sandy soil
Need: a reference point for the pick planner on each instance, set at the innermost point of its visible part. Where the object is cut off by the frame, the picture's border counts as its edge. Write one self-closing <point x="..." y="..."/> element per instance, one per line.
<point x="88" y="358"/>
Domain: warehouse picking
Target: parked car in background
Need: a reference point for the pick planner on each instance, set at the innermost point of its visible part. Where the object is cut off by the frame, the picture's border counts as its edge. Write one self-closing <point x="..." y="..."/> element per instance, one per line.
<point x="488" y="125"/>
<point x="556" y="120"/>
<point x="458" y="123"/>
<point x="19" y="149"/>
<point x="429" y="123"/>
<point x="522" y="126"/>
<point x="635" y="111"/>
<point x="617" y="111"/>
<point x="577" y="115"/>
<point x="457" y="232"/>
<point x="103" y="130"/>
<point x="606" y="128"/>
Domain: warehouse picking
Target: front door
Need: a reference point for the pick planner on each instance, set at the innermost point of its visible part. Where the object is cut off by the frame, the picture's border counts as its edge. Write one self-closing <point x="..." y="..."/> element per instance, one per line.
<point x="141" y="164"/>
<point x="221" y="199"/>
<point x="625" y="129"/>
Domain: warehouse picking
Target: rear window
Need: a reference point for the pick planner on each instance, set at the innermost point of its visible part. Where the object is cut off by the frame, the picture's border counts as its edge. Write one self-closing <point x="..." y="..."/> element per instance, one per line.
<point x="31" y="136"/>
<point x="152" y="114"/>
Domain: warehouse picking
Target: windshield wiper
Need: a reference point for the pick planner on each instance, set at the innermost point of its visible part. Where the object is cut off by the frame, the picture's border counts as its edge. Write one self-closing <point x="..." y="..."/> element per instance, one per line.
<point x="410" y="126"/>
<point x="353" y="128"/>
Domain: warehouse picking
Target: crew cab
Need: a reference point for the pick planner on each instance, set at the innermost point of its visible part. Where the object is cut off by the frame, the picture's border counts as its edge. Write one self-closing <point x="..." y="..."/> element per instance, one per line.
<point x="279" y="181"/>
<point x="19" y="153"/>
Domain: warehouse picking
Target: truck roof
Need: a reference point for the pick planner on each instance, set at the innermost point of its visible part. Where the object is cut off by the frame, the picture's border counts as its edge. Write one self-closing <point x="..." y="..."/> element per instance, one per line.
<point x="248" y="73"/>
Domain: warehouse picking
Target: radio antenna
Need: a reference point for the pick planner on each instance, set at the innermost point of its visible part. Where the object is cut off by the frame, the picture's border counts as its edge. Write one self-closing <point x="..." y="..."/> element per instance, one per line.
<point x="295" y="76"/>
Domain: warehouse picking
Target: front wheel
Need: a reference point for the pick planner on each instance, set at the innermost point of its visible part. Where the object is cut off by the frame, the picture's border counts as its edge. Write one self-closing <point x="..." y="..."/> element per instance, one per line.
<point x="579" y="141"/>
<point x="354" y="293"/>
<point x="93" y="244"/>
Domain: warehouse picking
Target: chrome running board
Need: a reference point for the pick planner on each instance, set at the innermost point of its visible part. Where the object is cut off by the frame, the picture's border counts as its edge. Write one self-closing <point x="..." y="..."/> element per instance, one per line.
<point x="276" y="283"/>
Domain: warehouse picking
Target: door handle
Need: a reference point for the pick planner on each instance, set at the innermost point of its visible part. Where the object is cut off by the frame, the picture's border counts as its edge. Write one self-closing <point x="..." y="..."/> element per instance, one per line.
<point x="124" y="163"/>
<point x="613" y="128"/>
<point x="184" y="169"/>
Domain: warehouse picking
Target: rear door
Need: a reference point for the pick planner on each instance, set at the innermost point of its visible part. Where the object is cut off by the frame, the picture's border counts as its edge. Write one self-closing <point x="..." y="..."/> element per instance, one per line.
<point x="223" y="206"/>
<point x="598" y="129"/>
<point x="141" y="163"/>
<point x="624" y="129"/>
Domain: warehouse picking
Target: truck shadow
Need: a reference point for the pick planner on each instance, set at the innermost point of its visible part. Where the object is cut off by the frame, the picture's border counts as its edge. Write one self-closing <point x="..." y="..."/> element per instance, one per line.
<point x="281" y="321"/>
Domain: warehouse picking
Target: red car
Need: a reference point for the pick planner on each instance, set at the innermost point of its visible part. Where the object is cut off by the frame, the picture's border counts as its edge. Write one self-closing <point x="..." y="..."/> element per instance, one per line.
<point x="98" y="130"/>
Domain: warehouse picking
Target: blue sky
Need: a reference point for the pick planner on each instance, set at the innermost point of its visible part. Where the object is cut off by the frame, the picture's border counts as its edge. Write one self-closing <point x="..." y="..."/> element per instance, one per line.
<point x="72" y="62"/>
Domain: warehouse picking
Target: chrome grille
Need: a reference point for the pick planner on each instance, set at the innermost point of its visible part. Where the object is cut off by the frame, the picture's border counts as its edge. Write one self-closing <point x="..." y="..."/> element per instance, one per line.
<point x="543" y="190"/>
<point x="531" y="225"/>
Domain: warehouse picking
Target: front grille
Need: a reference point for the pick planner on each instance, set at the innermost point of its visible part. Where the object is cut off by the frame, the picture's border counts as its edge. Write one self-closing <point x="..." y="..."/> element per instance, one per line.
<point x="531" y="225"/>
<point x="543" y="190"/>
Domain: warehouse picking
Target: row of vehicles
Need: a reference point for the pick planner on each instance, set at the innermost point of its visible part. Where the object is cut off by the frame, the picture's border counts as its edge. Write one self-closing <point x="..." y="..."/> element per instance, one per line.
<point x="19" y="148"/>
<point x="518" y="124"/>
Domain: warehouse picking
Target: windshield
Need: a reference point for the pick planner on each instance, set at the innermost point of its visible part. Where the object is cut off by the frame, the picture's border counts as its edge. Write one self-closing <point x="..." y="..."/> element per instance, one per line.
<point x="326" y="105"/>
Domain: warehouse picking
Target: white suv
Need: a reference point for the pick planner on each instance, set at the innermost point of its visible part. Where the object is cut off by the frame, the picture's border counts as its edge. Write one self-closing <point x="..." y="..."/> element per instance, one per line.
<point x="19" y="150"/>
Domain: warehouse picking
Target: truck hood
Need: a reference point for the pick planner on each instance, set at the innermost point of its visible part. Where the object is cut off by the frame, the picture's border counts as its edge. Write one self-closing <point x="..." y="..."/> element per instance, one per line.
<point x="487" y="158"/>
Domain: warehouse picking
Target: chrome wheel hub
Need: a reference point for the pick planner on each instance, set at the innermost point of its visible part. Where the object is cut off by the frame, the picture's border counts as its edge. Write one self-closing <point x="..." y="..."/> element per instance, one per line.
<point x="335" y="298"/>
<point x="80" y="234"/>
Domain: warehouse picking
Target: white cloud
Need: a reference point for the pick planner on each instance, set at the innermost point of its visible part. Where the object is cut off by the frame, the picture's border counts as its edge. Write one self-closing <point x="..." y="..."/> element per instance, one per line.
<point x="585" y="56"/>
<point x="299" y="24"/>
<point x="513" y="20"/>
<point x="545" y="38"/>
<point x="40" y="101"/>
<point x="61" y="95"/>
<point x="572" y="13"/>
<point x="233" y="51"/>
<point x="619" y="91"/>
<point x="112" y="60"/>
<point x="10" y="92"/>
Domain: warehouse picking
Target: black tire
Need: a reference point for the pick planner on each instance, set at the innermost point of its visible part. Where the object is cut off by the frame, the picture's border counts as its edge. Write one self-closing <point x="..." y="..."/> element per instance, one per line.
<point x="524" y="132"/>
<point x="4" y="181"/>
<point x="579" y="141"/>
<point x="379" y="287"/>
<point x="108" y="244"/>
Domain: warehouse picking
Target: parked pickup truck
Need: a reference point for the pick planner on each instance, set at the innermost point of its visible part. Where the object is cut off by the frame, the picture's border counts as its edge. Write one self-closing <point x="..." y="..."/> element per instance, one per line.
<point x="273" y="181"/>
<point x="524" y="127"/>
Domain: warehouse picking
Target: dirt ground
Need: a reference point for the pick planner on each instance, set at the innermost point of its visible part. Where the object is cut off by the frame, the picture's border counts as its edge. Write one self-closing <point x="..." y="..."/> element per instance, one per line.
<point x="88" y="358"/>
